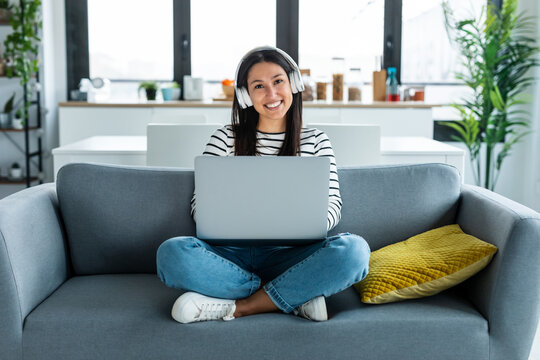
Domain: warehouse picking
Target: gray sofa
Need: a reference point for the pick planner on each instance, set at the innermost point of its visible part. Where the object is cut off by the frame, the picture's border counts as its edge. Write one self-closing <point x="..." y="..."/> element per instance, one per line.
<point x="77" y="273"/>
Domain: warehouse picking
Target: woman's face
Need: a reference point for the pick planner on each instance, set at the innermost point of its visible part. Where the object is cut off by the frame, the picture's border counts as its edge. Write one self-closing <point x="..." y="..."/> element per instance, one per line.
<point x="270" y="92"/>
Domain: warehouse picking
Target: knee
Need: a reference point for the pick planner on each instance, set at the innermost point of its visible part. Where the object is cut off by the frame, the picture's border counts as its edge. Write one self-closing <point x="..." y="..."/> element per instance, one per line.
<point x="354" y="255"/>
<point x="172" y="255"/>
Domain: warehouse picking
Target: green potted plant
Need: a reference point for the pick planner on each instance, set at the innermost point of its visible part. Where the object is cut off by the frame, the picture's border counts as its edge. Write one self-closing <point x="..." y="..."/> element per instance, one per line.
<point x="18" y="120"/>
<point x="497" y="53"/>
<point x="170" y="91"/>
<point x="150" y="88"/>
<point x="5" y="116"/>
<point x="15" y="172"/>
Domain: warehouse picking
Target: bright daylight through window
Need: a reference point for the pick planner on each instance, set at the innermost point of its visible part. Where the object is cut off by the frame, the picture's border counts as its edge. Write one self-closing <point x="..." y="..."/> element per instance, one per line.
<point x="134" y="44"/>
<point x="223" y="31"/>
<point x="352" y="29"/>
<point x="426" y="53"/>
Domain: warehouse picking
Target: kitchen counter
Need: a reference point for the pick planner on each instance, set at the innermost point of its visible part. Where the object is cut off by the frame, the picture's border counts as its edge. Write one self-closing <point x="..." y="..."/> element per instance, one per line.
<point x="228" y="104"/>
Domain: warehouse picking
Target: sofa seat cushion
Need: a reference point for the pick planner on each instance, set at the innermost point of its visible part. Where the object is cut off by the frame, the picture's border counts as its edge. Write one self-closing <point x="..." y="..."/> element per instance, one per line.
<point x="128" y="317"/>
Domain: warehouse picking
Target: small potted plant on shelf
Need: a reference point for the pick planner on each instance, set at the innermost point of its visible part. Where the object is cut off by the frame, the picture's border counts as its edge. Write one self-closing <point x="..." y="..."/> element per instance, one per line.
<point x="150" y="88"/>
<point x="5" y="116"/>
<point x="15" y="172"/>
<point x="5" y="11"/>
<point x="18" y="121"/>
<point x="170" y="91"/>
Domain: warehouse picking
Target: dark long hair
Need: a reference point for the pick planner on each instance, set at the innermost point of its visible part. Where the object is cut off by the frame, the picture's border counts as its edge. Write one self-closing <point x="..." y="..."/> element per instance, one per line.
<point x="245" y="121"/>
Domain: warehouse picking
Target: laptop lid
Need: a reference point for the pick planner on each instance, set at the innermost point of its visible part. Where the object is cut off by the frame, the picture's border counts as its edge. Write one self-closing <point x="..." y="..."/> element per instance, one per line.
<point x="253" y="198"/>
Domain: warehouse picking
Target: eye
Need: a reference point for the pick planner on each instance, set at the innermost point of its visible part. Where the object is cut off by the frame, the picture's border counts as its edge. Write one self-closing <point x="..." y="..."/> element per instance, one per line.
<point x="278" y="81"/>
<point x="258" y="86"/>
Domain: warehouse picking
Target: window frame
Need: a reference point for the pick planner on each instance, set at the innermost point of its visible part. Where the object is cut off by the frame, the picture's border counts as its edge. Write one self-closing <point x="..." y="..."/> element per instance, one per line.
<point x="287" y="22"/>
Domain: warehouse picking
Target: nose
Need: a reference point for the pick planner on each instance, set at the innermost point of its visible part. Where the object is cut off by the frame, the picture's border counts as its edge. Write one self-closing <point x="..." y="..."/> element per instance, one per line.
<point x="270" y="91"/>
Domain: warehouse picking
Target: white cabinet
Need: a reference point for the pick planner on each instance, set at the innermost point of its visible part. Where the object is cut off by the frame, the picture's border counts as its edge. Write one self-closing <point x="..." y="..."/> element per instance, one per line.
<point x="82" y="120"/>
<point x="77" y="123"/>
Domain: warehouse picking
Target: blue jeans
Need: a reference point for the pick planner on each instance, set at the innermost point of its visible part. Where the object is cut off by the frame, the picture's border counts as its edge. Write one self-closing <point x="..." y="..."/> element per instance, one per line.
<point x="292" y="275"/>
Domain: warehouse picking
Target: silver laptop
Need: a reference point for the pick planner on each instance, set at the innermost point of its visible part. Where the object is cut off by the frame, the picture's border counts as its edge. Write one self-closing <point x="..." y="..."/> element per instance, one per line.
<point x="261" y="200"/>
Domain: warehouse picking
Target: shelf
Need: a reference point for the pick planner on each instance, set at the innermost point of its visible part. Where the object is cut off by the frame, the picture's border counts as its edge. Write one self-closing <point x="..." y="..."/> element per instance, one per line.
<point x="18" y="130"/>
<point x="22" y="181"/>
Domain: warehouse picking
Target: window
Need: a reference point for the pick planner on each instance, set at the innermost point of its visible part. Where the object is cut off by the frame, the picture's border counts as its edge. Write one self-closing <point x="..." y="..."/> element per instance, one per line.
<point x="352" y="29"/>
<point x="131" y="45"/>
<point x="222" y="36"/>
<point x="427" y="54"/>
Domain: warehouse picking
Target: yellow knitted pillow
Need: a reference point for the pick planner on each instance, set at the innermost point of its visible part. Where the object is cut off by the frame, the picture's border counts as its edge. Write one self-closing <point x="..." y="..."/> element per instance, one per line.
<point x="423" y="265"/>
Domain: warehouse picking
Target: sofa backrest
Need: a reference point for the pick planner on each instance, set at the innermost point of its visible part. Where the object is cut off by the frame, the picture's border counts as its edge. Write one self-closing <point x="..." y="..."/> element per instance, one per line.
<point x="391" y="203"/>
<point x="116" y="217"/>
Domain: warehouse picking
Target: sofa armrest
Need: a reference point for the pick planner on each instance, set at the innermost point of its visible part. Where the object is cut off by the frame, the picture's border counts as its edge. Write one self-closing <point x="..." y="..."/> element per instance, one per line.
<point x="33" y="260"/>
<point x="507" y="292"/>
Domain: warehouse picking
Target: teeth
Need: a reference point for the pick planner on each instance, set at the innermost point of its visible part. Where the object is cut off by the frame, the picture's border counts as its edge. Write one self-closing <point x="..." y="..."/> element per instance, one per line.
<point x="273" y="105"/>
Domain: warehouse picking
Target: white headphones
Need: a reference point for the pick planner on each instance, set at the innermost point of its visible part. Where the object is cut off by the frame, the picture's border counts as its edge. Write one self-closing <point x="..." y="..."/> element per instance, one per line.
<point x="295" y="79"/>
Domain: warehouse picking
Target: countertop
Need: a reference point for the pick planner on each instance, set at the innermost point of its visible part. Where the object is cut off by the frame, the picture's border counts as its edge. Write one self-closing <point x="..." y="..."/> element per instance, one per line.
<point x="228" y="104"/>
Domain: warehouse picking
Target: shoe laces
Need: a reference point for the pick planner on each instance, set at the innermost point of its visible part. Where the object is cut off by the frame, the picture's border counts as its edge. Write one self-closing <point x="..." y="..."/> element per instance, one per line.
<point x="215" y="311"/>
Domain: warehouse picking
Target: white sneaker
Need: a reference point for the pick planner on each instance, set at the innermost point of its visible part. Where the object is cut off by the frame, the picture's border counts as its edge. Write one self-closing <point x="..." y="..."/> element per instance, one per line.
<point x="314" y="309"/>
<point x="191" y="307"/>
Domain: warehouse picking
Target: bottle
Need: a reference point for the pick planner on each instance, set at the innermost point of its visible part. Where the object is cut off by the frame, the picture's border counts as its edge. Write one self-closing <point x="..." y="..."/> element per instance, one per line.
<point x="354" y="82"/>
<point x="337" y="78"/>
<point x="379" y="81"/>
<point x="392" y="86"/>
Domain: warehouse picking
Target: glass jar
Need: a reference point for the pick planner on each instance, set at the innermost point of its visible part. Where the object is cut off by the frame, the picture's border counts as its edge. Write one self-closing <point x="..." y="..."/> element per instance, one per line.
<point x="338" y="66"/>
<point x="354" y="83"/>
<point x="322" y="86"/>
<point x="309" y="85"/>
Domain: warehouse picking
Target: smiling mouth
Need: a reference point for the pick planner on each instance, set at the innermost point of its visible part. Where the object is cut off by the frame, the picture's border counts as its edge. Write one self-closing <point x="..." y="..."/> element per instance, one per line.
<point x="274" y="105"/>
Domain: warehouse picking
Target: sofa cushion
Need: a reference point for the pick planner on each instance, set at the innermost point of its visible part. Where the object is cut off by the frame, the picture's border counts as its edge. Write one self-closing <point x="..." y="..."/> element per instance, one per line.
<point x="128" y="317"/>
<point x="423" y="265"/>
<point x="116" y="217"/>
<point x="387" y="204"/>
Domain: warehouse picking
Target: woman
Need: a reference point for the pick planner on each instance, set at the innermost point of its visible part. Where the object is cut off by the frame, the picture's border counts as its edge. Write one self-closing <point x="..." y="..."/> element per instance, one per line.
<point x="226" y="282"/>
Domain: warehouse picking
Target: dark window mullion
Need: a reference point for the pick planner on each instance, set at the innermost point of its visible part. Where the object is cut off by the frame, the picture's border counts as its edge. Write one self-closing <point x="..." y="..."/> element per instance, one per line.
<point x="392" y="35"/>
<point x="182" y="40"/>
<point x="287" y="27"/>
<point x="77" y="52"/>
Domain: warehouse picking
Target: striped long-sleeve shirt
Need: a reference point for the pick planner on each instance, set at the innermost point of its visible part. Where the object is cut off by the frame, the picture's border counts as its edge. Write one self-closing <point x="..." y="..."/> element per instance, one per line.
<point x="313" y="142"/>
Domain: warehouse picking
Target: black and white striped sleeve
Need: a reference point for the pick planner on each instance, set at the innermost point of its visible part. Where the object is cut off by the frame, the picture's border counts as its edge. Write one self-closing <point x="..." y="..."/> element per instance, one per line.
<point x="221" y="143"/>
<point x="323" y="147"/>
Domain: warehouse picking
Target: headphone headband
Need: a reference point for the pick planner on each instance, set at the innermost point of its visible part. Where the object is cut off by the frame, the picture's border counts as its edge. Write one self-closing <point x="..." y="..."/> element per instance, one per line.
<point x="295" y="78"/>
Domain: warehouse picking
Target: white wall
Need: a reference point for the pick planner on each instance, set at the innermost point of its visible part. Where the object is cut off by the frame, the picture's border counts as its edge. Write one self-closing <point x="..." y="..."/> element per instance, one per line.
<point x="54" y="75"/>
<point x="531" y="148"/>
<point x="53" y="80"/>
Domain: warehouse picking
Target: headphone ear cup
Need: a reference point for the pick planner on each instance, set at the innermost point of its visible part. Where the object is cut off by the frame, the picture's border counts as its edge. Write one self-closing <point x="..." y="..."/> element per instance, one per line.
<point x="243" y="98"/>
<point x="293" y="81"/>
<point x="247" y="98"/>
<point x="300" y="83"/>
<point x="238" y="93"/>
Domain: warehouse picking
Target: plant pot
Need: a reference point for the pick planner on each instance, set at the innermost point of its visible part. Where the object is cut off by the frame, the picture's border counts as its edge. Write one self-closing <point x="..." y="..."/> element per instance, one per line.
<point x="5" y="15"/>
<point x="18" y="123"/>
<point x="15" y="173"/>
<point x="150" y="94"/>
<point x="167" y="94"/>
<point x="175" y="94"/>
<point x="5" y="120"/>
